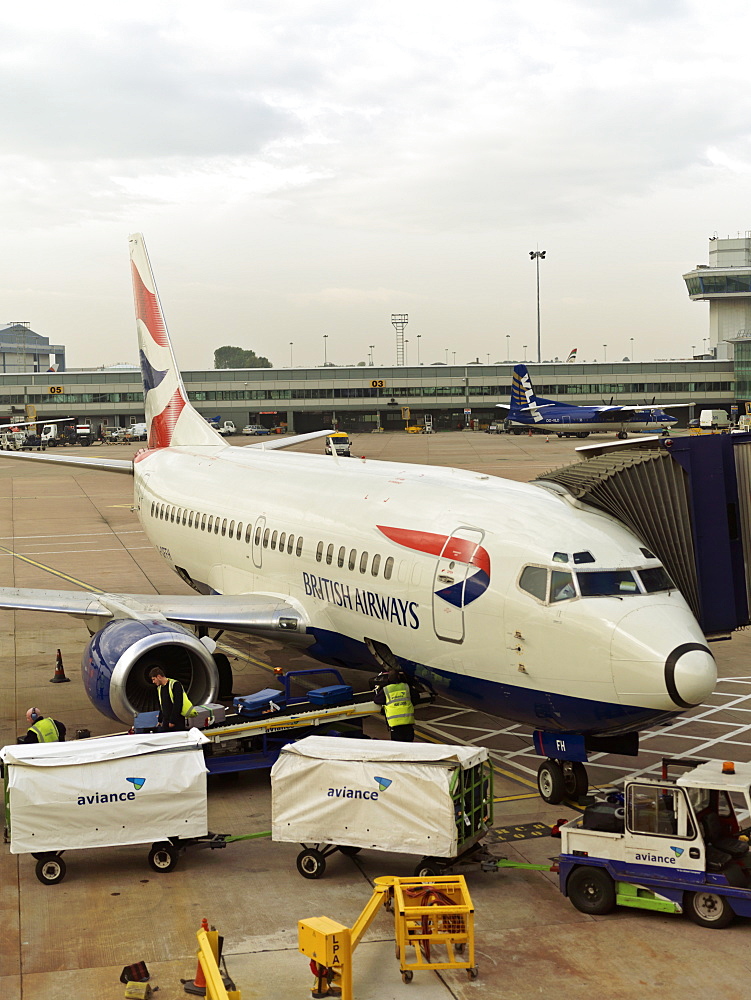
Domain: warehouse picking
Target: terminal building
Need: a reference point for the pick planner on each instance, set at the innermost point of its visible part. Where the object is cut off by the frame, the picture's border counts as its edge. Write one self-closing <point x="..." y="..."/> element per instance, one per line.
<point x="362" y="399"/>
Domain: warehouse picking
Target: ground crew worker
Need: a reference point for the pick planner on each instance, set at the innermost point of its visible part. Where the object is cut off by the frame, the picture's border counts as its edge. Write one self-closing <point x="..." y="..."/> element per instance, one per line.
<point x="42" y="730"/>
<point x="174" y="704"/>
<point x="395" y="696"/>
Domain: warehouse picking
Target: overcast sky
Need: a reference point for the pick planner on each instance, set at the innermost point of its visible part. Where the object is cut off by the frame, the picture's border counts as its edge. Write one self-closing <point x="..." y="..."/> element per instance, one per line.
<point x="308" y="168"/>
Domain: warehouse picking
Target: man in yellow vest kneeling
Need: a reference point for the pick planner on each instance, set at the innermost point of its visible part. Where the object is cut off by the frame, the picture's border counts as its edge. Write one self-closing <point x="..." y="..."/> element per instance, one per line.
<point x="396" y="698"/>
<point x="42" y="730"/>
<point x="174" y="704"/>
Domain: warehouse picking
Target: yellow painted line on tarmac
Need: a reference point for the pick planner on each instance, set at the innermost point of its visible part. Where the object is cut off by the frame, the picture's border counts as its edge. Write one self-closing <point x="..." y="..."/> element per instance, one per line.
<point x="513" y="798"/>
<point x="245" y="656"/>
<point x="49" y="569"/>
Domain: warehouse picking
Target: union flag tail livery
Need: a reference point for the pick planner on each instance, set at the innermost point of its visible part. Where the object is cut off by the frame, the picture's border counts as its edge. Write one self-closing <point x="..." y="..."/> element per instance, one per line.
<point x="170" y="418"/>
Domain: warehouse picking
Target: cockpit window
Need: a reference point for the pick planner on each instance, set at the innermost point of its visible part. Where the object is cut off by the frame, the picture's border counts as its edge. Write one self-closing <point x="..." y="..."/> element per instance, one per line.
<point x="583" y="557"/>
<point x="561" y="586"/>
<point x="656" y="579"/>
<point x="646" y="553"/>
<point x="534" y="580"/>
<point x="607" y="583"/>
<point x="560" y="557"/>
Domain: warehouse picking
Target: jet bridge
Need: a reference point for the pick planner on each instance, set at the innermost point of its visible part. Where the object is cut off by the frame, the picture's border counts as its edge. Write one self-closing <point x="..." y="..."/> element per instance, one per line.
<point x="689" y="500"/>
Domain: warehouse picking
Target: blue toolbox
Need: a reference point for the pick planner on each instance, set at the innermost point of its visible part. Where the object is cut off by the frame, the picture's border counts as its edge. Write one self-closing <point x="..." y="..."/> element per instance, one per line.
<point x="262" y="701"/>
<point x="335" y="694"/>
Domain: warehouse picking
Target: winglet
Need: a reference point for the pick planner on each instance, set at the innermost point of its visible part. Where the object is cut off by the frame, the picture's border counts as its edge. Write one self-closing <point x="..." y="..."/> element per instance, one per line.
<point x="170" y="418"/>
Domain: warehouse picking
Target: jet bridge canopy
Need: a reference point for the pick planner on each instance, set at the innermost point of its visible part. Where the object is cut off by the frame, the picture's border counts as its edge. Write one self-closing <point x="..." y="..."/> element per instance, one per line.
<point x="689" y="500"/>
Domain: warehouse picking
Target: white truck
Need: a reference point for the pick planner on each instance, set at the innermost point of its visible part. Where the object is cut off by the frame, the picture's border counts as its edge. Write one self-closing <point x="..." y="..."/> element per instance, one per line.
<point x="676" y="845"/>
<point x="714" y="420"/>
<point x="227" y="429"/>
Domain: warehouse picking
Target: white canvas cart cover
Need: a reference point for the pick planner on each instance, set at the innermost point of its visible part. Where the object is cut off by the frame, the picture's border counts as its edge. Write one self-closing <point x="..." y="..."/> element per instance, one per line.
<point x="104" y="792"/>
<point x="369" y="793"/>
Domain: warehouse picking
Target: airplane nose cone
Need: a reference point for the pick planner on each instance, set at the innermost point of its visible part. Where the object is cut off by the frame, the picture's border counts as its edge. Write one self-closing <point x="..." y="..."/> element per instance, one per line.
<point x="660" y="658"/>
<point x="690" y="674"/>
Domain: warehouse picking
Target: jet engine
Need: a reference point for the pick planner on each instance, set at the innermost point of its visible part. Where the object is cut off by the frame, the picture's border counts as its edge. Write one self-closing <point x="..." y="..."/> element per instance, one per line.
<point x="117" y="660"/>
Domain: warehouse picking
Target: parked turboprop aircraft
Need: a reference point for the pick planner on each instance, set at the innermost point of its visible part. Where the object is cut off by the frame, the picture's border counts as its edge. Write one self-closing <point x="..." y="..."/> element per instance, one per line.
<point x="568" y="420"/>
<point x="506" y="596"/>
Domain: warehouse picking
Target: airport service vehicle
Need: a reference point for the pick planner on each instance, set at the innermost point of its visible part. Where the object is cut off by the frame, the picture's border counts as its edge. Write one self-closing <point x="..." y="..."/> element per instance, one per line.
<point x="529" y="411"/>
<point x="54" y="434"/>
<point x="509" y="597"/>
<point x="227" y="428"/>
<point x="255" y="430"/>
<point x="714" y="420"/>
<point x="107" y="792"/>
<point x="411" y="798"/>
<point x="338" y="444"/>
<point x="670" y="845"/>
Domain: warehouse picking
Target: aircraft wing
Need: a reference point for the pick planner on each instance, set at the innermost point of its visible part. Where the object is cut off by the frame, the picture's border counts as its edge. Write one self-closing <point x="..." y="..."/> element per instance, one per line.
<point x="254" y="613"/>
<point x="526" y="409"/>
<point x="103" y="464"/>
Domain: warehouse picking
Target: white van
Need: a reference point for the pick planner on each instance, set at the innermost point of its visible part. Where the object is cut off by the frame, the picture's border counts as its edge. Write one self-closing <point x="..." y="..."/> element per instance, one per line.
<point x="714" y="419"/>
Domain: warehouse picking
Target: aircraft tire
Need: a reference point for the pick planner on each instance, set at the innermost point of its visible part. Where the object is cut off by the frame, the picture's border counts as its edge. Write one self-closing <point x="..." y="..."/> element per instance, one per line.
<point x="550" y="782"/>
<point x="707" y="909"/>
<point x="591" y="890"/>
<point x="575" y="779"/>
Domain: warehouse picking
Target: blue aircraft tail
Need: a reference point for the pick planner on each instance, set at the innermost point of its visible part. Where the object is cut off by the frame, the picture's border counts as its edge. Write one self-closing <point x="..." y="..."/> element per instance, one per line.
<point x="523" y="398"/>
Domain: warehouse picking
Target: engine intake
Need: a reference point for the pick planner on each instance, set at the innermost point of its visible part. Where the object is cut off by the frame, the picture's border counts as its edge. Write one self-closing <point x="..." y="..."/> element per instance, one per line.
<point x="116" y="663"/>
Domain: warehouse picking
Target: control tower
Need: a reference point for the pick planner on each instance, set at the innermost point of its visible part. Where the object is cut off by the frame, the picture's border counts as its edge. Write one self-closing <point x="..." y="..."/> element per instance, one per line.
<point x="725" y="282"/>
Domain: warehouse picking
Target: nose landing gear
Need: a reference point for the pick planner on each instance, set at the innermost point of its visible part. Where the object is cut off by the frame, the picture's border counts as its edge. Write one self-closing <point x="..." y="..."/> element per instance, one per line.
<point x="561" y="779"/>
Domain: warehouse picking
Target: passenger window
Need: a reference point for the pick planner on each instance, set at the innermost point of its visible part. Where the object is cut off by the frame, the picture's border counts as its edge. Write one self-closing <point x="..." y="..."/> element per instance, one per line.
<point x="172" y="514"/>
<point x="561" y="586"/>
<point x="152" y="508"/>
<point x="257" y="539"/>
<point x="363" y="562"/>
<point x="239" y="534"/>
<point x="376" y="565"/>
<point x="282" y="539"/>
<point x="216" y="526"/>
<point x="534" y="580"/>
<point x="248" y="532"/>
<point x="266" y="534"/>
<point x="352" y="559"/>
<point x="388" y="568"/>
<point x="298" y="551"/>
<point x="185" y="515"/>
<point x="319" y="552"/>
<point x="224" y="526"/>
<point x="274" y="536"/>
<point x="210" y="524"/>
<point x="290" y="544"/>
<point x="340" y="556"/>
<point x="203" y="522"/>
<point x="329" y="555"/>
<point x="190" y="519"/>
<point x="231" y="531"/>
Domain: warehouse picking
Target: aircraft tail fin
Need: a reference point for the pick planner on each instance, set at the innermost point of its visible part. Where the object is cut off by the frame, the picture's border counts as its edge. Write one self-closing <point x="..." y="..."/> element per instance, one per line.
<point x="171" y="420"/>
<point x="522" y="391"/>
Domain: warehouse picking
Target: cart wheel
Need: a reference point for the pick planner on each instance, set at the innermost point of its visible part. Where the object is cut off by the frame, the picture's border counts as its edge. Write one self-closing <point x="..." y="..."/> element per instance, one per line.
<point x="473" y="973"/>
<point x="50" y="869"/>
<point x="311" y="863"/>
<point x="459" y="946"/>
<point x="591" y="890"/>
<point x="163" y="857"/>
<point x="428" y="868"/>
<point x="708" y="909"/>
<point x="349" y="851"/>
<point x="407" y="976"/>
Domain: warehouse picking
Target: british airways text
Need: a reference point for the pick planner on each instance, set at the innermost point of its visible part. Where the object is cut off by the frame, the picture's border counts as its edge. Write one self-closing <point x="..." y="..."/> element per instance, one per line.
<point x="387" y="609"/>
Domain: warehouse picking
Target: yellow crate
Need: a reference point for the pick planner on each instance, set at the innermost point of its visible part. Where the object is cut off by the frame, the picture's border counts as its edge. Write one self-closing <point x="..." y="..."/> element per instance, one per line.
<point x="434" y="924"/>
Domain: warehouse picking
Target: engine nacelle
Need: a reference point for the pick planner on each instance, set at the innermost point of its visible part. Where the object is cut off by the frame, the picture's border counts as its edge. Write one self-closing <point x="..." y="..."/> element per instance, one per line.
<point x="116" y="663"/>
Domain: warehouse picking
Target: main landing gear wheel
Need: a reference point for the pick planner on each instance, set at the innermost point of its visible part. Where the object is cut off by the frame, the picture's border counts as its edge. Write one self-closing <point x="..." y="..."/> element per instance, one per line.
<point x="311" y="863"/>
<point x="591" y="890"/>
<point x="50" y="869"/>
<point x="708" y="909"/>
<point x="621" y="435"/>
<point x="557" y="780"/>
<point x="163" y="857"/>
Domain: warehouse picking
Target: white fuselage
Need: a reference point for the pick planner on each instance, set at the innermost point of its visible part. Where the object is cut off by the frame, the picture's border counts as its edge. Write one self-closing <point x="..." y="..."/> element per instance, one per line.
<point x="595" y="664"/>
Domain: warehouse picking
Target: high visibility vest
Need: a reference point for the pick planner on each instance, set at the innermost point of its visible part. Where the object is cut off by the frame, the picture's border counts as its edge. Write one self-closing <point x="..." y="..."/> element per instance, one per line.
<point x="46" y="731"/>
<point x="187" y="709"/>
<point x="398" y="708"/>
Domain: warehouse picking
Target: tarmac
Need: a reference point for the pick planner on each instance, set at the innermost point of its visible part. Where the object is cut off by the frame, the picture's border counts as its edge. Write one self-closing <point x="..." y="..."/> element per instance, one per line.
<point x="64" y="529"/>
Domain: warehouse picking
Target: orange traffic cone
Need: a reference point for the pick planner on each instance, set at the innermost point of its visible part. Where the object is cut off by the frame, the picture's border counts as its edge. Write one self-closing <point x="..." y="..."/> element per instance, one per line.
<point x="59" y="677"/>
<point x="198" y="986"/>
<point x="529" y="432"/>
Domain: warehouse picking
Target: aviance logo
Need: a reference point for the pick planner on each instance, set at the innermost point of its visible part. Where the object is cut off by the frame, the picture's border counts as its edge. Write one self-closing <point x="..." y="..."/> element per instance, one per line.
<point x="98" y="798"/>
<point x="656" y="859"/>
<point x="359" y="793"/>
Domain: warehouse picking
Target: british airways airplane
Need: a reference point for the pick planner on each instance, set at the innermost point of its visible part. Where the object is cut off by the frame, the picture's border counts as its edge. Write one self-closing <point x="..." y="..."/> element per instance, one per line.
<point x="505" y="596"/>
<point x="568" y="420"/>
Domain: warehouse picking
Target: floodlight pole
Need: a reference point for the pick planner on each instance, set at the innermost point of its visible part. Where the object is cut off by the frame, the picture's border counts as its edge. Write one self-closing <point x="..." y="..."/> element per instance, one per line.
<point x="537" y="256"/>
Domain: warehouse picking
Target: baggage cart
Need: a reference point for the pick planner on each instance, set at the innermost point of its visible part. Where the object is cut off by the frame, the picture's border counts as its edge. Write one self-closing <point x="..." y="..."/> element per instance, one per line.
<point x="412" y="798"/>
<point x="121" y="790"/>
